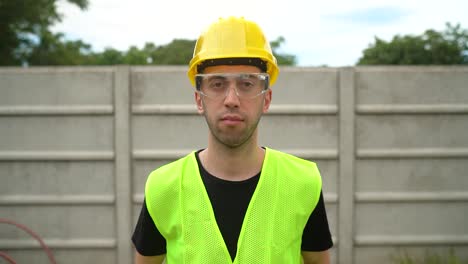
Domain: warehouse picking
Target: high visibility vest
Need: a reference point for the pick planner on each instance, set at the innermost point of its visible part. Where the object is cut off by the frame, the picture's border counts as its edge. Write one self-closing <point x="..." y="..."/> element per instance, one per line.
<point x="286" y="194"/>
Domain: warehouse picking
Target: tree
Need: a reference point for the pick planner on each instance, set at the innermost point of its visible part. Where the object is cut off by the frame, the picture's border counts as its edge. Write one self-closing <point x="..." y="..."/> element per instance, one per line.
<point x="23" y="22"/>
<point x="53" y="50"/>
<point x="27" y="40"/>
<point x="283" y="59"/>
<point x="109" y="56"/>
<point x="432" y="47"/>
<point x="177" y="52"/>
<point x="134" y="56"/>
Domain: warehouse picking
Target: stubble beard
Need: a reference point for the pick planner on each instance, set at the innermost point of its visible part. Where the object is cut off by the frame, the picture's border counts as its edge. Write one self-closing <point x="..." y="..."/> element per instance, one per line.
<point x="230" y="138"/>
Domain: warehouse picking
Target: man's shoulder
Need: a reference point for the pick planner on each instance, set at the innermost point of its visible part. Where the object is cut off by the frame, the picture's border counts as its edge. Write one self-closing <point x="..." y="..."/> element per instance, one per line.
<point x="297" y="175"/>
<point x="287" y="157"/>
<point x="169" y="172"/>
<point x="294" y="166"/>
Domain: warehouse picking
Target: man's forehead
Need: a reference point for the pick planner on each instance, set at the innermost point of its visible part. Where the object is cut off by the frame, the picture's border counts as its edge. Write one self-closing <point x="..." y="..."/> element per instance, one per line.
<point x="232" y="69"/>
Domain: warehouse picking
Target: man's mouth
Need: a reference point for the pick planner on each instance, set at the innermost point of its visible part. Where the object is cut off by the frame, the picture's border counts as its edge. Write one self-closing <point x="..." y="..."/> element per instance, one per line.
<point x="231" y="119"/>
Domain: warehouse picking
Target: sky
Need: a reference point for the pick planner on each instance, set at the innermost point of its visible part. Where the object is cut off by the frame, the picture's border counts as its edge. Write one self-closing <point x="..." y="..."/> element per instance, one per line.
<point x="327" y="32"/>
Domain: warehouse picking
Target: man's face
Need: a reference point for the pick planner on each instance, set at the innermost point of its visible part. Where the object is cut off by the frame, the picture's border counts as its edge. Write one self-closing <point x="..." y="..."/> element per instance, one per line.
<point x="232" y="120"/>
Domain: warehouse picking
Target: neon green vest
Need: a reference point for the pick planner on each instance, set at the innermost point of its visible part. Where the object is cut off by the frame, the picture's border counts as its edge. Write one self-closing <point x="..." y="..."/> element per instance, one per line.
<point x="286" y="194"/>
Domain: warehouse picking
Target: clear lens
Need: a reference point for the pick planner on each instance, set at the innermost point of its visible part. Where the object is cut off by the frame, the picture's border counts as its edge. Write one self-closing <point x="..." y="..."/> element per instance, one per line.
<point x="246" y="85"/>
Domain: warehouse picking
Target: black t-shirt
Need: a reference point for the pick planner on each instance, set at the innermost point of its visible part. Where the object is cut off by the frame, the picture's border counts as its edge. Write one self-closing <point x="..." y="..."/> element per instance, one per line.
<point x="229" y="200"/>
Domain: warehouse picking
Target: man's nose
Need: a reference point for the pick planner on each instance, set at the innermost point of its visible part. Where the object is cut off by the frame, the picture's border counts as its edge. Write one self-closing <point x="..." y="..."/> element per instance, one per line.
<point x="232" y="99"/>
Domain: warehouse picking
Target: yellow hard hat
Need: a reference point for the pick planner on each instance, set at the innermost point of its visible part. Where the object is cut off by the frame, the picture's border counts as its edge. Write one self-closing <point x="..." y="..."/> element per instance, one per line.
<point x="233" y="41"/>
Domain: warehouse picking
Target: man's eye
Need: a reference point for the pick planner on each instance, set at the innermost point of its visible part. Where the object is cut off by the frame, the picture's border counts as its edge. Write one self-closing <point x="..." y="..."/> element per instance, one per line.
<point x="217" y="84"/>
<point x="247" y="84"/>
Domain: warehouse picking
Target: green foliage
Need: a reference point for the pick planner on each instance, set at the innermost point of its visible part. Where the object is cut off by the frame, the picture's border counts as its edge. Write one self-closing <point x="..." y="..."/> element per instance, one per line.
<point x="22" y="22"/>
<point x="109" y="56"/>
<point x="134" y="56"/>
<point x="178" y="52"/>
<point x="53" y="50"/>
<point x="27" y="40"/>
<point x="283" y="59"/>
<point x="429" y="258"/>
<point x="432" y="47"/>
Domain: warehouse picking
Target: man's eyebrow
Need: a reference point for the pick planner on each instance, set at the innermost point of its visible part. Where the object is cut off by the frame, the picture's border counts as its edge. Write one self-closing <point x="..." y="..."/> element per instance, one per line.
<point x="248" y="75"/>
<point x="216" y="76"/>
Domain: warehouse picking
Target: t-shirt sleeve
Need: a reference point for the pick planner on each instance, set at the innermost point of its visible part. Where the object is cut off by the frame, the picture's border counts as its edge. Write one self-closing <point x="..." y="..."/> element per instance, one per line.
<point x="316" y="235"/>
<point x="146" y="237"/>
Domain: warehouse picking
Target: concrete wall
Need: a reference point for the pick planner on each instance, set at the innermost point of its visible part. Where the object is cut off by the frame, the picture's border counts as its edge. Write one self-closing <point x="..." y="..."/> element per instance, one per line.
<point x="77" y="144"/>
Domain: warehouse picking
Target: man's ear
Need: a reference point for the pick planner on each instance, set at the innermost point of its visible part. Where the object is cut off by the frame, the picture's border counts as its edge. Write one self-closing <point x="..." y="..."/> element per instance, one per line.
<point x="199" y="102"/>
<point x="267" y="101"/>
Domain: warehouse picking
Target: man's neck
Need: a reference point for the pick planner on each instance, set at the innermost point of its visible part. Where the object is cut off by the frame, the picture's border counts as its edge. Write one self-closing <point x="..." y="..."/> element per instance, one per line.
<point x="233" y="164"/>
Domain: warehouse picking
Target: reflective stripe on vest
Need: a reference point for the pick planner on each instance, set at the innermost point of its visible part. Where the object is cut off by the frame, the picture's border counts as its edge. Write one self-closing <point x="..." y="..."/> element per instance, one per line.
<point x="286" y="194"/>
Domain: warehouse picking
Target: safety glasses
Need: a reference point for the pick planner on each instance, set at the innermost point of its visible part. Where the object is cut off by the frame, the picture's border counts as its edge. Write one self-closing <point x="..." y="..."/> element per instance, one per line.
<point x="246" y="85"/>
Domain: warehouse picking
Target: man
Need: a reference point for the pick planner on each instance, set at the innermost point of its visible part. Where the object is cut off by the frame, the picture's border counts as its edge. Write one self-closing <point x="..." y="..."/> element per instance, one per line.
<point x="233" y="202"/>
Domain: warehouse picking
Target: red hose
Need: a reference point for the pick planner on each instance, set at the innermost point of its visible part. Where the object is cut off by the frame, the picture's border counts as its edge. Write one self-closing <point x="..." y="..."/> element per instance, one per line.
<point x="5" y="256"/>
<point x="30" y="232"/>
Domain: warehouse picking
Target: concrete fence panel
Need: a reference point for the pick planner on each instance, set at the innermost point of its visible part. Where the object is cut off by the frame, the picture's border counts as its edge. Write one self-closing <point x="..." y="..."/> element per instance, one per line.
<point x="77" y="143"/>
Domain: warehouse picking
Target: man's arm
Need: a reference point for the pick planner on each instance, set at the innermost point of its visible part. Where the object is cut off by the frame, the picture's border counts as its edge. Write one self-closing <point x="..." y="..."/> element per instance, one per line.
<point x="147" y="240"/>
<point x="140" y="259"/>
<point x="316" y="239"/>
<point x="316" y="257"/>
